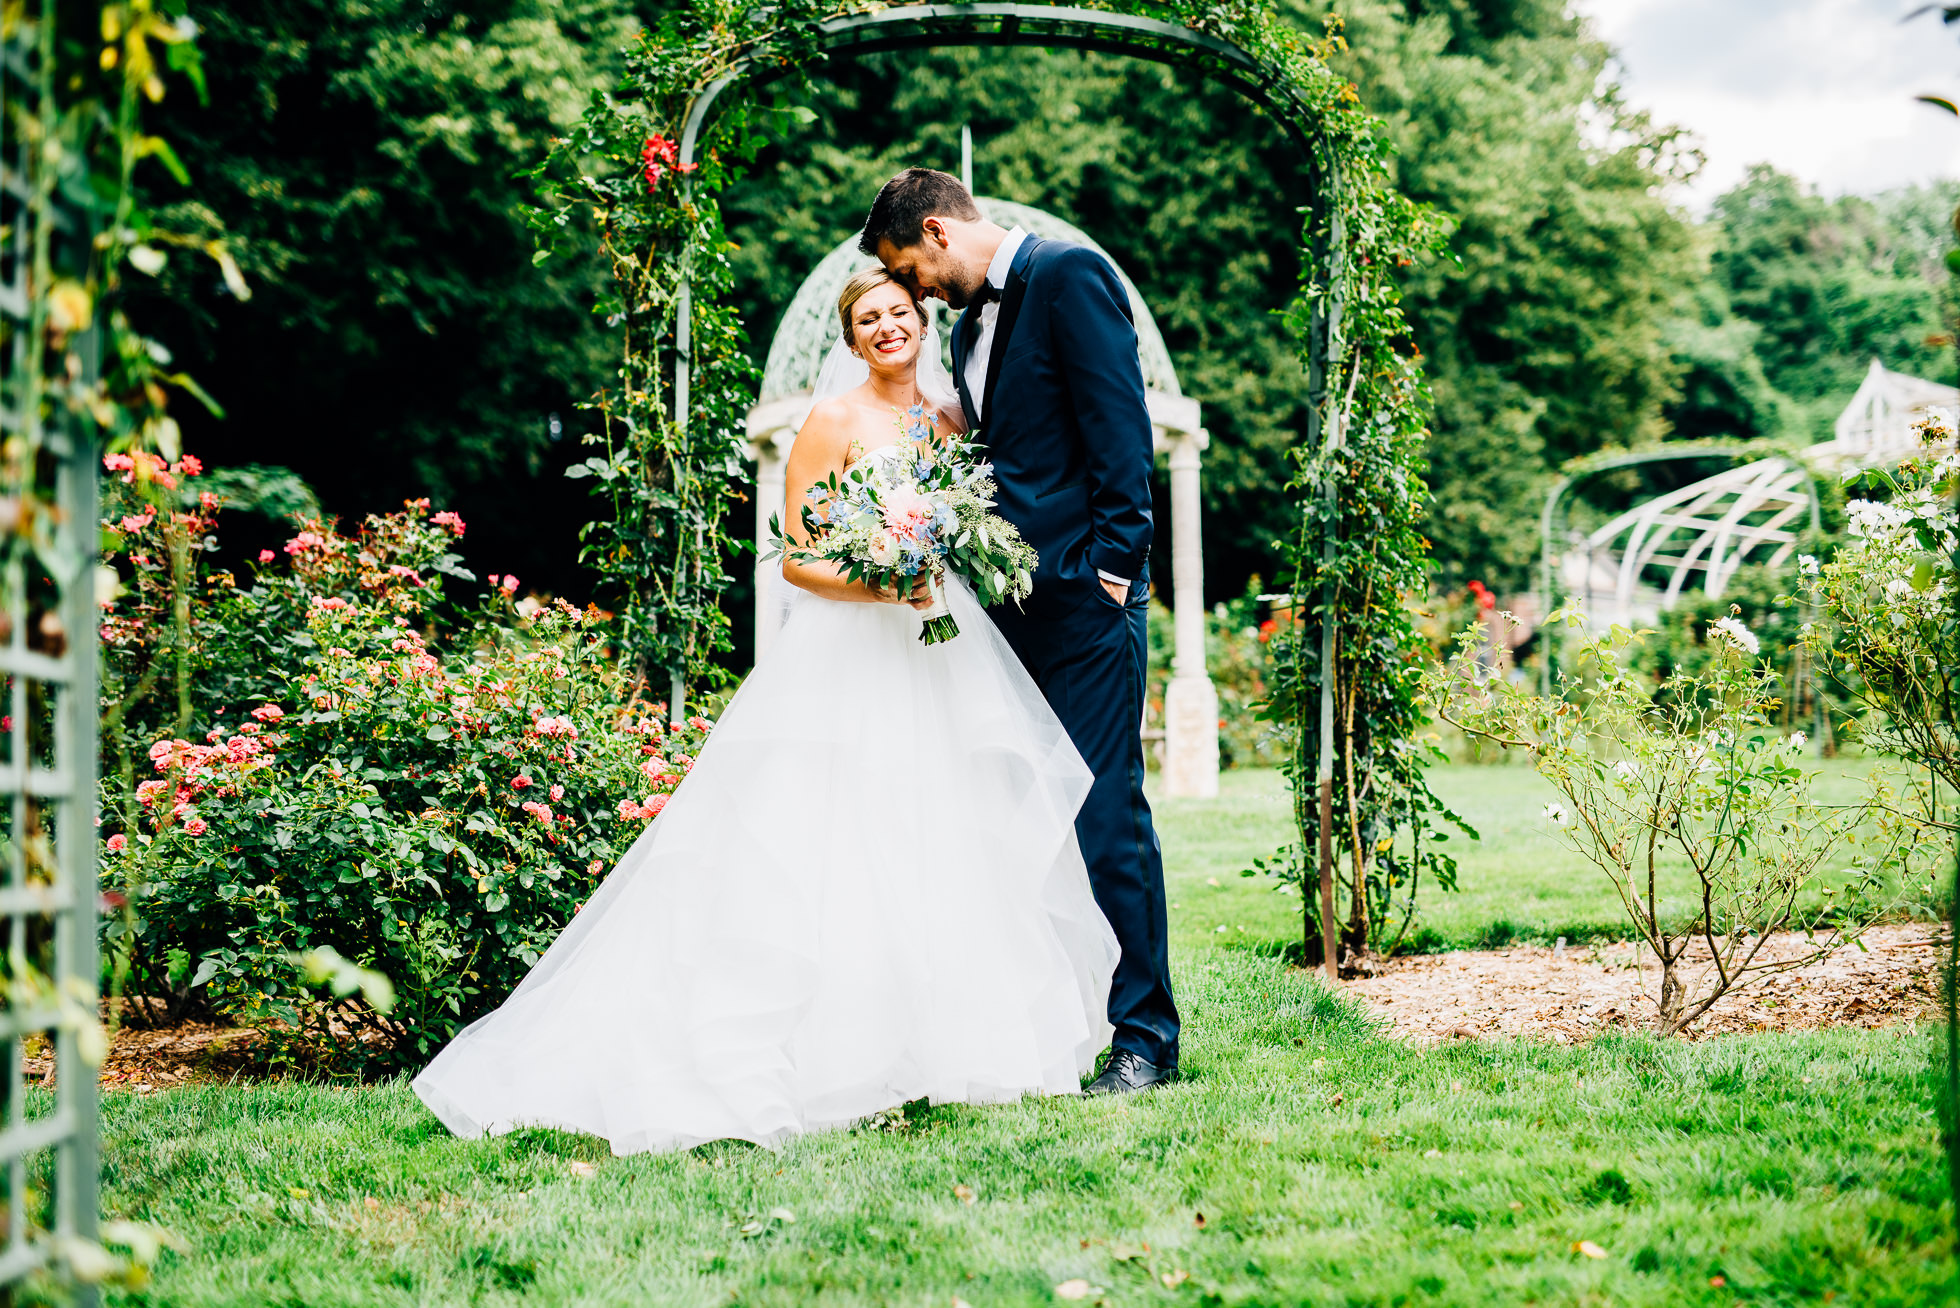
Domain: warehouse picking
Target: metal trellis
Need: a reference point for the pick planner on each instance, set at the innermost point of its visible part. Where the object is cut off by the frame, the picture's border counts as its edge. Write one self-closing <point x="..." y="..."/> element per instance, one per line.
<point x="48" y="1141"/>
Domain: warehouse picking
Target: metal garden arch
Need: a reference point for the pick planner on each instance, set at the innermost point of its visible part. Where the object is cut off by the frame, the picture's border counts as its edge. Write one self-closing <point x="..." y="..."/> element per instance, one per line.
<point x="1069" y="27"/>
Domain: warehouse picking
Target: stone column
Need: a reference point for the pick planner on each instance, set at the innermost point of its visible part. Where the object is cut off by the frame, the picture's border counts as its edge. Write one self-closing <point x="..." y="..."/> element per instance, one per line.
<point x="1190" y="701"/>
<point x="771" y="449"/>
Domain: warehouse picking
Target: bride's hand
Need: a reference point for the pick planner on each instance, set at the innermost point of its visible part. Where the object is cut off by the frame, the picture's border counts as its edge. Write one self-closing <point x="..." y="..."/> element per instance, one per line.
<point x="920" y="599"/>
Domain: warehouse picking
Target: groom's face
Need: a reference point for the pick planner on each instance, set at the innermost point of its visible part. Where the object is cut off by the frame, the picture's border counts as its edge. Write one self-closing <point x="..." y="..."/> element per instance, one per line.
<point x="938" y="266"/>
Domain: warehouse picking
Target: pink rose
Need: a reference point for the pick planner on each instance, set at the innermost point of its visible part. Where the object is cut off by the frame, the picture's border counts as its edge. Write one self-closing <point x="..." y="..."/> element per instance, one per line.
<point x="118" y="843"/>
<point x="196" y="826"/>
<point x="268" y="713"/>
<point x="557" y="793"/>
<point x="267" y="556"/>
<point x="653" y="805"/>
<point x="519" y="781"/>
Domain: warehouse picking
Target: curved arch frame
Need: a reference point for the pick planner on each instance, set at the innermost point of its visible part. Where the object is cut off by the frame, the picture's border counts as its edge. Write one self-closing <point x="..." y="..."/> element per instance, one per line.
<point x="1070" y="27"/>
<point x="1066" y="27"/>
<point x="1744" y="453"/>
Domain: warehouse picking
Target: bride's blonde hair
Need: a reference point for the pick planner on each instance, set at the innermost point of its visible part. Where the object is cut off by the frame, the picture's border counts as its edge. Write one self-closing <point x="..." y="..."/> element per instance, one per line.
<point x="861" y="285"/>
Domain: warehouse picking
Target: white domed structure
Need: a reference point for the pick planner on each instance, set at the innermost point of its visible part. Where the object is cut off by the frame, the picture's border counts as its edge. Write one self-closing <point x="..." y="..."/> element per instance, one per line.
<point x="804" y="337"/>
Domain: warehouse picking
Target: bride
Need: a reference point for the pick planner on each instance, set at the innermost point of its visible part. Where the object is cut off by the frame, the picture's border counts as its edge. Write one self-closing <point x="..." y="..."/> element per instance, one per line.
<point x="866" y="892"/>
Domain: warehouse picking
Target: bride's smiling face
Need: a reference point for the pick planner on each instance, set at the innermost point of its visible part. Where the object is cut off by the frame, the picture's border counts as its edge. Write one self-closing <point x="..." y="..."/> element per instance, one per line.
<point x="886" y="328"/>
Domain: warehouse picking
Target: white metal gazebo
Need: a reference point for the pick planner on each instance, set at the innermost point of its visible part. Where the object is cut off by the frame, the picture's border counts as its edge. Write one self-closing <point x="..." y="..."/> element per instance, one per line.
<point x="1638" y="564"/>
<point x="808" y="329"/>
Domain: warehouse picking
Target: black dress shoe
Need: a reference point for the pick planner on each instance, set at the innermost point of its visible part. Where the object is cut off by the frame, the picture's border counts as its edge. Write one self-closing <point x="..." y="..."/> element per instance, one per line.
<point x="1126" y="1073"/>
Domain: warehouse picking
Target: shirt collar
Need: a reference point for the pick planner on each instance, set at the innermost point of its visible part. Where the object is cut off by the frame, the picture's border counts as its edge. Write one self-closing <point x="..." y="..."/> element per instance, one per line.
<point x="1003" y="261"/>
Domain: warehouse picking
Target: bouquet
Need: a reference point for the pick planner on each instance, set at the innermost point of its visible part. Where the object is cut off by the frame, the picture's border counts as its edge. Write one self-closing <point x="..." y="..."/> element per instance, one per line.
<point x="891" y="520"/>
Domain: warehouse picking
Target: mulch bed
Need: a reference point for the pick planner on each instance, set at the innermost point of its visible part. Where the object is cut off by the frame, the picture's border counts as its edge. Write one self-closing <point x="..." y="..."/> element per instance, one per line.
<point x="1573" y="994"/>
<point x="144" y="1059"/>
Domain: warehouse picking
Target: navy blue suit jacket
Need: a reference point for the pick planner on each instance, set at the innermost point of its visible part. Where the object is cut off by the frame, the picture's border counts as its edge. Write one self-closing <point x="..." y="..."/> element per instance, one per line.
<point x="1066" y="425"/>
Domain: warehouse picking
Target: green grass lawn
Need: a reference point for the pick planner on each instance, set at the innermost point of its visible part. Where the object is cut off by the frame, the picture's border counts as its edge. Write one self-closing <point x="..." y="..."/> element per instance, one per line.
<point x="1330" y="1166"/>
<point x="1520" y="881"/>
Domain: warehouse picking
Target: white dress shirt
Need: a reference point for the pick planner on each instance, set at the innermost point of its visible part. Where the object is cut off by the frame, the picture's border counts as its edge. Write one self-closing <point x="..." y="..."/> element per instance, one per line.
<point x="983" y="342"/>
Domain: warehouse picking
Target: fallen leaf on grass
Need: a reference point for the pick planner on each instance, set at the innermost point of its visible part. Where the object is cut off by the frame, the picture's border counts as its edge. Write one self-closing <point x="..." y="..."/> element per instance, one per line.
<point x="782" y="1214"/>
<point x="1588" y="1248"/>
<point x="963" y="1193"/>
<point x="1074" y="1288"/>
<point x="1199" y="1221"/>
<point x="1174" y="1279"/>
<point x="1337" y="1100"/>
<point x="583" y="1168"/>
<point x="1123" y="1253"/>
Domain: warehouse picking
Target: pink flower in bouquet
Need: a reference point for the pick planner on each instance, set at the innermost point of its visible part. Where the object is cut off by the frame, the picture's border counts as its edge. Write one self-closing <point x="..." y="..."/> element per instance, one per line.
<point x="885" y="549"/>
<point x="907" y="513"/>
<point x="118" y="843"/>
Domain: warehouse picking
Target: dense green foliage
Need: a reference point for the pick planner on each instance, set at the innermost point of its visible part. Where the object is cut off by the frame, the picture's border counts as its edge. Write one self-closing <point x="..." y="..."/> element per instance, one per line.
<point x="362" y="160"/>
<point x="336" y="756"/>
<point x="1331" y="1165"/>
<point x="1817" y="289"/>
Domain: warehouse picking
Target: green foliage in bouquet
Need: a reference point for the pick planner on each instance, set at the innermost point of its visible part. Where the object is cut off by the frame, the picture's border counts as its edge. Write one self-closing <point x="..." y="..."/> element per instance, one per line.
<point x="1695" y="806"/>
<point x="426" y="790"/>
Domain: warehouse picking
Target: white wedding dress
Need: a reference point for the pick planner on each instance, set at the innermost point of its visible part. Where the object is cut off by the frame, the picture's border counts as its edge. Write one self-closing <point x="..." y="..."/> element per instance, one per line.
<point x="867" y="892"/>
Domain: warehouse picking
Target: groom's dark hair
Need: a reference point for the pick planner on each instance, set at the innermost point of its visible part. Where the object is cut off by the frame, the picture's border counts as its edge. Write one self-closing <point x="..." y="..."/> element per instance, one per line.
<point x="899" y="213"/>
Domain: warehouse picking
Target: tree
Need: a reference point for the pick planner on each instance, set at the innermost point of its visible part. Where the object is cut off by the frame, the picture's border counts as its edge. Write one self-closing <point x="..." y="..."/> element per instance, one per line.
<point x="1828" y="285"/>
<point x="1546" y="337"/>
<point x="363" y="160"/>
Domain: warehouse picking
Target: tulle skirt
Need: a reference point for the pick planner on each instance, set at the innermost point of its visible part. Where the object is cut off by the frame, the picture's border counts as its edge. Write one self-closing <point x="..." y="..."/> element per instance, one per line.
<point x="867" y="892"/>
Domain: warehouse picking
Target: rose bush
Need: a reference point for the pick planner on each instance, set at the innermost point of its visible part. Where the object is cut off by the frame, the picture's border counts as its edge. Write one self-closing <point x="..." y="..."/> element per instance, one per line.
<point x="428" y="790"/>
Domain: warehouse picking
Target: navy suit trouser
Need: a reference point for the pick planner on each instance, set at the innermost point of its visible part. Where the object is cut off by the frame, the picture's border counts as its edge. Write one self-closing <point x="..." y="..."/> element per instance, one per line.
<point x="1091" y="665"/>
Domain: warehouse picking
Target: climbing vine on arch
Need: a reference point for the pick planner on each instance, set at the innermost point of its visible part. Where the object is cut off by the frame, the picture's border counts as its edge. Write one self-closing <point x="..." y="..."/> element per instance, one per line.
<point x="667" y="469"/>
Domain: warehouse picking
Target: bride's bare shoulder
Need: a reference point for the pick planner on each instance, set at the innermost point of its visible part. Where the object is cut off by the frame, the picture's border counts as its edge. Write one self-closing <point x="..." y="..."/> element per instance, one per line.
<point x="827" y="430"/>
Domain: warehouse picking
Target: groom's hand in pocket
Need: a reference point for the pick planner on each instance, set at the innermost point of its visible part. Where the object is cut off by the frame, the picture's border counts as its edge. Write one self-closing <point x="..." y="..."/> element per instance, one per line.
<point x="1118" y="591"/>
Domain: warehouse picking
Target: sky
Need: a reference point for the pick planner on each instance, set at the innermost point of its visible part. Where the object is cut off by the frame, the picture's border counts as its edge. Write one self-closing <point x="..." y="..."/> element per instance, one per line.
<point x="1822" y="89"/>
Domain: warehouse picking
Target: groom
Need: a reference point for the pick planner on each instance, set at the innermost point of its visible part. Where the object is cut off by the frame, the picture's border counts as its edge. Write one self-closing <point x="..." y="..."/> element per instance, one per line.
<point x="1045" y="359"/>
